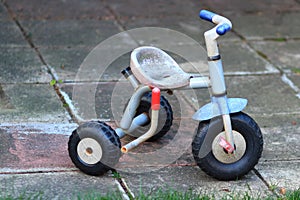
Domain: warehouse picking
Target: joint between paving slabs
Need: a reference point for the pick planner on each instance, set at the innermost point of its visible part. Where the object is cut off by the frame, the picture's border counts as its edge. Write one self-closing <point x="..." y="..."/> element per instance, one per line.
<point x="123" y="187"/>
<point x="258" y="174"/>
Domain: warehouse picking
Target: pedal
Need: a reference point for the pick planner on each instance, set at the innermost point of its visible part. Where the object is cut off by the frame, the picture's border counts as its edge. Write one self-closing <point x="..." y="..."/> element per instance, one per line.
<point x="226" y="145"/>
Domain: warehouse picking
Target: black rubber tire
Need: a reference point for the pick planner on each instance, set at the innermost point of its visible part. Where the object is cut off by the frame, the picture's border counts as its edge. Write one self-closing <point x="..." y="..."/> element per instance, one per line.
<point x="165" y="117"/>
<point x="251" y="134"/>
<point x="108" y="140"/>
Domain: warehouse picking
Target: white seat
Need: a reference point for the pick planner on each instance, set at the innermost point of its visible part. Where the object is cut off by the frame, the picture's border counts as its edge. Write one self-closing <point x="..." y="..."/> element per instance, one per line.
<point x="152" y="66"/>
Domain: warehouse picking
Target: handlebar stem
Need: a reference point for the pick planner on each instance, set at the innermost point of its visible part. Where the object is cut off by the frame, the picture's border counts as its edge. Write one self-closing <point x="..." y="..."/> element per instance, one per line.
<point x="218" y="87"/>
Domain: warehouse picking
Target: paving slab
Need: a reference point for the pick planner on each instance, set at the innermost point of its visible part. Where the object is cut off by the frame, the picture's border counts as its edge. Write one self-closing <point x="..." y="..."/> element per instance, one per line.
<point x="256" y="6"/>
<point x="281" y="174"/>
<point x="63" y="185"/>
<point x="69" y="32"/>
<point x="266" y="94"/>
<point x="3" y="13"/>
<point x="173" y="15"/>
<point x="283" y="54"/>
<point x="28" y="152"/>
<point x="186" y="178"/>
<point x="58" y="10"/>
<point x="281" y="143"/>
<point x="35" y="147"/>
<point x="65" y="60"/>
<point x="22" y="65"/>
<point x="160" y="8"/>
<point x="267" y="25"/>
<point x="295" y="77"/>
<point x="11" y="35"/>
<point x="67" y="64"/>
<point x="32" y="103"/>
<point x="239" y="58"/>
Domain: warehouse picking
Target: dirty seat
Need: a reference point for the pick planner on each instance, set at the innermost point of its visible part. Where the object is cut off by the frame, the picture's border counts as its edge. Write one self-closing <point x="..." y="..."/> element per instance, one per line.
<point x="152" y="66"/>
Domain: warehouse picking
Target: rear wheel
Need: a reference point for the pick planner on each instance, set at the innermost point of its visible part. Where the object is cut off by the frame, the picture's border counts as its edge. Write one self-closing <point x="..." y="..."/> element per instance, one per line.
<point x="214" y="160"/>
<point x="165" y="117"/>
<point x="94" y="148"/>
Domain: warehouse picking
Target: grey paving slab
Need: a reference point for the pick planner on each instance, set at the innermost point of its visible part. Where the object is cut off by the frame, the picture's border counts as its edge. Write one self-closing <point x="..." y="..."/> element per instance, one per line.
<point x="185" y="178"/>
<point x="295" y="77"/>
<point x="22" y="65"/>
<point x="239" y="57"/>
<point x="65" y="60"/>
<point x="3" y="13"/>
<point x="256" y="6"/>
<point x="175" y="15"/>
<point x="10" y="34"/>
<point x="68" y="185"/>
<point x="268" y="25"/>
<point x="67" y="64"/>
<point x="69" y="32"/>
<point x="281" y="174"/>
<point x="101" y="93"/>
<point x="58" y="10"/>
<point x="284" y="54"/>
<point x="32" y="103"/>
<point x="281" y="143"/>
<point x="266" y="94"/>
<point x="133" y="8"/>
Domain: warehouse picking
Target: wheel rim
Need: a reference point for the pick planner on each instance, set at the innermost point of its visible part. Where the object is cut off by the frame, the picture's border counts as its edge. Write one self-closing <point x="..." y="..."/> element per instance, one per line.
<point x="89" y="151"/>
<point x="221" y="154"/>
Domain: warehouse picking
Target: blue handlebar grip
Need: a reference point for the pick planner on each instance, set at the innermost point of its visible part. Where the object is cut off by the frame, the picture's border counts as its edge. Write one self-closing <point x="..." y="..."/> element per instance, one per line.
<point x="206" y="15"/>
<point x="222" y="29"/>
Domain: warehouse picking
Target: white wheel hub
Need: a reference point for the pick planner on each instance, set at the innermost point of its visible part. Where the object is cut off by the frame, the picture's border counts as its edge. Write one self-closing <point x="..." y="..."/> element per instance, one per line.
<point x="221" y="154"/>
<point x="89" y="151"/>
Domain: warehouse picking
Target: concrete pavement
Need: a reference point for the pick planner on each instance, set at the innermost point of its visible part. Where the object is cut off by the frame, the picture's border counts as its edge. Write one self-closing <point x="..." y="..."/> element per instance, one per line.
<point x="43" y="41"/>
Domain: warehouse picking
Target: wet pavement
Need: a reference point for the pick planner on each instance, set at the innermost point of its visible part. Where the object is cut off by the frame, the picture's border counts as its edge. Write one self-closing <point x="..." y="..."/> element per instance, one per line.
<point x="61" y="62"/>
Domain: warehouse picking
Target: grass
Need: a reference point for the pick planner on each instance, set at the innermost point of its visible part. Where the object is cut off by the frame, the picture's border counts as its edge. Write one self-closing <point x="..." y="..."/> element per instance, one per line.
<point x="296" y="71"/>
<point x="163" y="195"/>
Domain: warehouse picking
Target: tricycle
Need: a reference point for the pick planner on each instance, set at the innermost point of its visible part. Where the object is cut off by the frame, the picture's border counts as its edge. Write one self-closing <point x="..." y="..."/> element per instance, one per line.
<point x="228" y="143"/>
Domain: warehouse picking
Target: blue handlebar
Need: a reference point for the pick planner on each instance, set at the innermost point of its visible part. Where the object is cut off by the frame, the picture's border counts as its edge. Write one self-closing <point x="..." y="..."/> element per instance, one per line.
<point x="222" y="29"/>
<point x="206" y="15"/>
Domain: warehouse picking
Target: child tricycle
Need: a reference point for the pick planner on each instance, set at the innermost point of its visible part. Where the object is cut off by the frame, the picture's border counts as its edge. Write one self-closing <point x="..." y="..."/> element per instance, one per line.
<point x="227" y="144"/>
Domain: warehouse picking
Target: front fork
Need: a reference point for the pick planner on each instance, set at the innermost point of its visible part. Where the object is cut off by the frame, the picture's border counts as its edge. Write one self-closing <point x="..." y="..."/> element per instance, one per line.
<point x="218" y="90"/>
<point x="228" y="143"/>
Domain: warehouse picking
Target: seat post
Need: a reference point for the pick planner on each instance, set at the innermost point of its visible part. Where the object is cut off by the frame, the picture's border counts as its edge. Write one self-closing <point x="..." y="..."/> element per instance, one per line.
<point x="127" y="73"/>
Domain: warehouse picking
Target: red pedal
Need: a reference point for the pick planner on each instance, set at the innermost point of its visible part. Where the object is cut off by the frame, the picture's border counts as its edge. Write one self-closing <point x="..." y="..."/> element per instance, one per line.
<point x="226" y="145"/>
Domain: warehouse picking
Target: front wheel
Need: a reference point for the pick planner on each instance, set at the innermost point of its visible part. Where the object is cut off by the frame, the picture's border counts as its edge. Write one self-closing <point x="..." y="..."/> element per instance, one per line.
<point x="214" y="160"/>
